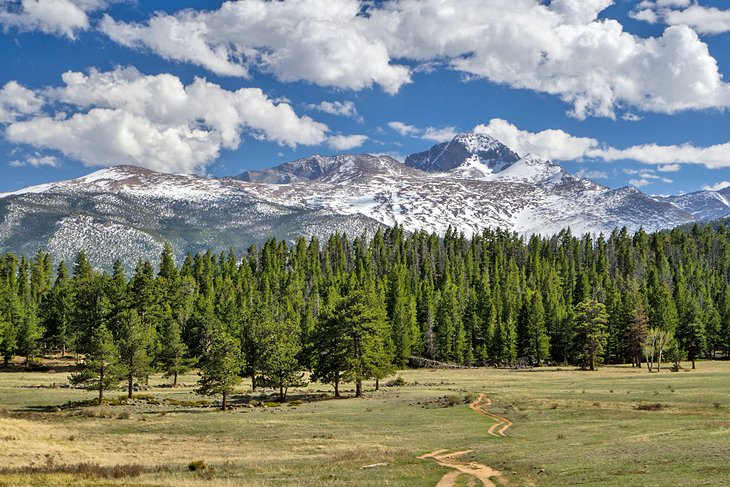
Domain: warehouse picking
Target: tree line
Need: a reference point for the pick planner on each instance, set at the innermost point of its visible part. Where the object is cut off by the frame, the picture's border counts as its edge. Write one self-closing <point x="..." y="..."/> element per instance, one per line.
<point x="348" y="310"/>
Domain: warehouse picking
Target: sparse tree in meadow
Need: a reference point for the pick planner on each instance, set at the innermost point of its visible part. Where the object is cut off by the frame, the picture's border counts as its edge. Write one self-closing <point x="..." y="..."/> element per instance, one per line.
<point x="220" y="367"/>
<point x="101" y="369"/>
<point x="135" y="342"/>
<point x="280" y="368"/>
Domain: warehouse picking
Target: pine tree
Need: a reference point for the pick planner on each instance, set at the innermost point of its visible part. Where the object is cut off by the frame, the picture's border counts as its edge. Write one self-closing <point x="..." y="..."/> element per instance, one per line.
<point x="172" y="355"/>
<point x="220" y="367"/>
<point x="280" y="368"/>
<point x="135" y="342"/>
<point x="591" y="322"/>
<point x="101" y="369"/>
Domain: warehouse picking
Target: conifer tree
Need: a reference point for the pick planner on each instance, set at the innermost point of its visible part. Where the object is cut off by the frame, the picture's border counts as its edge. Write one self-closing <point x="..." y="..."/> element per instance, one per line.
<point x="591" y="322"/>
<point x="135" y="342"/>
<point x="101" y="369"/>
<point x="220" y="367"/>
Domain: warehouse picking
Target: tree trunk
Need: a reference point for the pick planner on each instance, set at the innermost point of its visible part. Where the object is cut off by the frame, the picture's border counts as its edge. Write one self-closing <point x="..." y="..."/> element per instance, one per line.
<point x="377" y="384"/>
<point x="224" y="403"/>
<point x="63" y="350"/>
<point x="281" y="393"/>
<point x="130" y="390"/>
<point x="101" y="385"/>
<point x="358" y="388"/>
<point x="253" y="379"/>
<point x="174" y="379"/>
<point x="659" y="362"/>
<point x="593" y="360"/>
<point x="693" y="363"/>
<point x="337" y="388"/>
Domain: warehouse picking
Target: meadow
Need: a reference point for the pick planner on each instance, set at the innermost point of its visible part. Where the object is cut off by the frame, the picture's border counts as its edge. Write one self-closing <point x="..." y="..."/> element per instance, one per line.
<point x="617" y="426"/>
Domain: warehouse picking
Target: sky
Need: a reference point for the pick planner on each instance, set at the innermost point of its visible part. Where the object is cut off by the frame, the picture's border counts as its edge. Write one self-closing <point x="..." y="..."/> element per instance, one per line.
<point x="626" y="92"/>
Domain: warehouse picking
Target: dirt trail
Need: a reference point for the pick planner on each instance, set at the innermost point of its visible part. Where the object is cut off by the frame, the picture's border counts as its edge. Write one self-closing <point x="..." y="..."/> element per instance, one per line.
<point x="477" y="470"/>
<point x="502" y="424"/>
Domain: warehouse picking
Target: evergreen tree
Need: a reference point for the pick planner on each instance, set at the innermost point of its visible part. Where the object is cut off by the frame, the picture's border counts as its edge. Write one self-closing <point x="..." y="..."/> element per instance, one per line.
<point x="280" y="368"/>
<point x="101" y="369"/>
<point x="220" y="367"/>
<point x="135" y="342"/>
<point x="172" y="355"/>
<point x="590" y="331"/>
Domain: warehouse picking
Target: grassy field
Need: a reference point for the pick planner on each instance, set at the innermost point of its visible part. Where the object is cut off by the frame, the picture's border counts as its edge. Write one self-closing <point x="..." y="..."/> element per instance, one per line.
<point x="613" y="427"/>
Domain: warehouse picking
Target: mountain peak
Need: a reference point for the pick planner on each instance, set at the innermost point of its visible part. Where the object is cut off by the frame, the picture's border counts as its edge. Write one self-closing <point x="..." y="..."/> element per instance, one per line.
<point x="328" y="168"/>
<point x="480" y="151"/>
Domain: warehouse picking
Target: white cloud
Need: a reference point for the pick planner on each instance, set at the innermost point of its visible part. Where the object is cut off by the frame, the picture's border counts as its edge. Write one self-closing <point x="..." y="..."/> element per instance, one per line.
<point x="630" y="117"/>
<point x="669" y="168"/>
<point x="583" y="173"/>
<point x="403" y="128"/>
<point x="549" y="144"/>
<point x="712" y="157"/>
<point x="346" y="142"/>
<point x="320" y="41"/>
<point x="561" y="48"/>
<point x="60" y="17"/>
<point x="17" y="101"/>
<point x="647" y="175"/>
<point x="717" y="187"/>
<point x="439" y="134"/>
<point x="36" y="161"/>
<point x="705" y="20"/>
<point x="342" y="108"/>
<point x="125" y="117"/>
<point x="560" y="145"/>
<point x="639" y="182"/>
<point x="434" y="134"/>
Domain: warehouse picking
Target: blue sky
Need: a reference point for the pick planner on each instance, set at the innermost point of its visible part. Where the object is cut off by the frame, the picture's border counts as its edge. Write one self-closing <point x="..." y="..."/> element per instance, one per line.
<point x="625" y="92"/>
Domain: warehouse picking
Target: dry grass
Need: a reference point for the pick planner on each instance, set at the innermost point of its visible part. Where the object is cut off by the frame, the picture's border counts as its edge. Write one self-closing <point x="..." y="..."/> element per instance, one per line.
<point x="557" y="428"/>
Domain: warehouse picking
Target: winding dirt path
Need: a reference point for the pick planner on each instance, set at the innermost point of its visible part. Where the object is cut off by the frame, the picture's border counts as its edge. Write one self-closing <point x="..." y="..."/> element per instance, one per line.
<point x="502" y="424"/>
<point x="487" y="475"/>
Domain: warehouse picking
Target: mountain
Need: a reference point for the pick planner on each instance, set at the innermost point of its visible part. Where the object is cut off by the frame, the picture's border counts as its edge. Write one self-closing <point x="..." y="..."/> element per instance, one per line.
<point x="468" y="155"/>
<point x="130" y="212"/>
<point x="703" y="205"/>
<point x="470" y="183"/>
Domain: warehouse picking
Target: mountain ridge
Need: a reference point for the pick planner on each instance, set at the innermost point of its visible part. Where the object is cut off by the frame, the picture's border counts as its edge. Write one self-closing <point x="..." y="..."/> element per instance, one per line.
<point x="471" y="183"/>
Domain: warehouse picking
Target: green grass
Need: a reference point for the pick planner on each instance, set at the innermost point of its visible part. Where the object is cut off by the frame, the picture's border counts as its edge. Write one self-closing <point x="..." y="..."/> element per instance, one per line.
<point x="570" y="428"/>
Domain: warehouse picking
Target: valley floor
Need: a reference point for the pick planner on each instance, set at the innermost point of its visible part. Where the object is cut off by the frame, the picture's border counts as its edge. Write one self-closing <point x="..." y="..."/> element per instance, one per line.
<point x="615" y="427"/>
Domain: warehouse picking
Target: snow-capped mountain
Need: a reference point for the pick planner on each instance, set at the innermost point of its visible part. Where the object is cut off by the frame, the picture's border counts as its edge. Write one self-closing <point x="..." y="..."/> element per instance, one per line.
<point x="466" y="155"/>
<point x="470" y="183"/>
<point x="703" y="205"/>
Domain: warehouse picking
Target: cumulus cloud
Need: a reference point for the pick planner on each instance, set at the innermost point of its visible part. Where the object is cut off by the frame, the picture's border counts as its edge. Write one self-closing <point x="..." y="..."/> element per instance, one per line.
<point x="319" y="41"/>
<point x="342" y="108"/>
<point x="584" y="173"/>
<point x="125" y="117"/>
<point x="549" y="144"/>
<point x="346" y="142"/>
<point x="639" y="182"/>
<point x="36" y="161"/>
<point x="439" y="134"/>
<point x="560" y="145"/>
<point x="403" y="128"/>
<point x="669" y="168"/>
<point x="434" y="134"/>
<point x="60" y="17"/>
<point x="17" y="101"/>
<point x="712" y="157"/>
<point x="717" y="187"/>
<point x="705" y="20"/>
<point x="561" y="48"/>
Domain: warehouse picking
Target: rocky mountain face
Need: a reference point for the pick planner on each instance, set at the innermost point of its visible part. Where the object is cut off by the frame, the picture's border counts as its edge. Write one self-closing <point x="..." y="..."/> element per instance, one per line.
<point x="470" y="183"/>
<point x="703" y="205"/>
